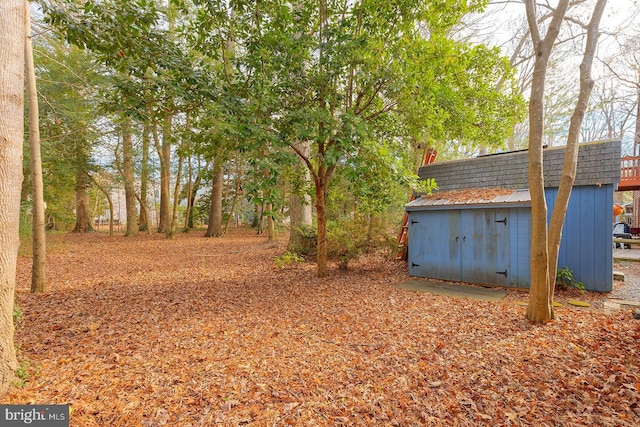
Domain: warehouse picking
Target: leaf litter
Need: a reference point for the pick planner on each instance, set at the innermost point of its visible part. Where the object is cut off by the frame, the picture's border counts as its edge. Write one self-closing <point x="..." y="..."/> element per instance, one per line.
<point x="147" y="331"/>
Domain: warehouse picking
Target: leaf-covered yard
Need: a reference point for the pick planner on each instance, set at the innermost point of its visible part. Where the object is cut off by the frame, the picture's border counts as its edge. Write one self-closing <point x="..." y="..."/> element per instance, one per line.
<point x="196" y="332"/>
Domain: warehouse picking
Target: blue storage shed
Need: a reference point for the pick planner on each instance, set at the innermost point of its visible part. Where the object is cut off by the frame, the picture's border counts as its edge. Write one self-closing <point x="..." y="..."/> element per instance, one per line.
<point x="477" y="227"/>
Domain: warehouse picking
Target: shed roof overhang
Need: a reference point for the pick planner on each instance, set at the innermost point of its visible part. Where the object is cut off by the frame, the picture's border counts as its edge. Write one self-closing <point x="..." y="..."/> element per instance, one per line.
<point x="480" y="198"/>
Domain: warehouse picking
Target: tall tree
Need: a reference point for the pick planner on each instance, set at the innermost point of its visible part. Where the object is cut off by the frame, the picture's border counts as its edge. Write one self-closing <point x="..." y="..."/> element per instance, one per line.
<point x="38" y="271"/>
<point x="218" y="153"/>
<point x="144" y="181"/>
<point x="300" y="208"/>
<point x="82" y="157"/>
<point x="67" y="89"/>
<point x="214" y="228"/>
<point x="341" y="68"/>
<point x="128" y="175"/>
<point x="12" y="40"/>
<point x="324" y="73"/>
<point x="159" y="80"/>
<point x="182" y="153"/>
<point x="545" y="239"/>
<point x="165" y="224"/>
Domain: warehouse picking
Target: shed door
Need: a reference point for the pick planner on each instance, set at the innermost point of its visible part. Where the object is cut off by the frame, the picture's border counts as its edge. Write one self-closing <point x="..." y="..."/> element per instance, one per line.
<point x="485" y="246"/>
<point x="434" y="249"/>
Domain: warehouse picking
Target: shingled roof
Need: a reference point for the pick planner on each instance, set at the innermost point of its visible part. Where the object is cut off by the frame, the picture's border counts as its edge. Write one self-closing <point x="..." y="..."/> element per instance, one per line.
<point x="598" y="164"/>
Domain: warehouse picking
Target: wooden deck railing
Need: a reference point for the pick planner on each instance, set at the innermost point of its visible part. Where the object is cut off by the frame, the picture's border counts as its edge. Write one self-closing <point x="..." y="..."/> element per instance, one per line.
<point x="630" y="176"/>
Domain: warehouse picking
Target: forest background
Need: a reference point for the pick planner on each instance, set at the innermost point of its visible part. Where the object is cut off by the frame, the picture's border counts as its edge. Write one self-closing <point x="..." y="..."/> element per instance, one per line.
<point x="164" y="116"/>
<point x="332" y="102"/>
<point x="213" y="113"/>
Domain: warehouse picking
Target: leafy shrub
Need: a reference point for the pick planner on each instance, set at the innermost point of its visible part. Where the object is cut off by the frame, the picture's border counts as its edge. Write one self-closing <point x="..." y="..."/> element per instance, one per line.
<point x="288" y="259"/>
<point x="307" y="242"/>
<point x="565" y="280"/>
<point x="347" y="239"/>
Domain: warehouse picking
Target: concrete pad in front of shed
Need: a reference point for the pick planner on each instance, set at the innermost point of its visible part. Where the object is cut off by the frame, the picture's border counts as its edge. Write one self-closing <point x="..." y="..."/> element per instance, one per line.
<point x="626" y="254"/>
<point x="453" y="289"/>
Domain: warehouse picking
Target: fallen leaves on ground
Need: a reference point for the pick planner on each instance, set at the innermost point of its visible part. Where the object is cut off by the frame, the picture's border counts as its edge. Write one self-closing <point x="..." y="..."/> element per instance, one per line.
<point x="146" y="331"/>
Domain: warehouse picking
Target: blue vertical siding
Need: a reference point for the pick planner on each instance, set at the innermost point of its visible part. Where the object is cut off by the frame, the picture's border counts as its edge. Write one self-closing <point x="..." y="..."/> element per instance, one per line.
<point x="603" y="263"/>
<point x="455" y="244"/>
<point x="433" y="244"/>
<point x="586" y="246"/>
<point x="520" y="242"/>
<point x="469" y="245"/>
<point x="485" y="246"/>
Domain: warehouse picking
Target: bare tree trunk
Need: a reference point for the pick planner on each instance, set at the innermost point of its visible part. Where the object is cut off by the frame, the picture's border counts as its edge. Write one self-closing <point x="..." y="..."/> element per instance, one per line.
<point x="300" y="212"/>
<point x="261" y="221"/>
<point x="83" y="222"/>
<point x="539" y="309"/>
<point x="226" y="187"/>
<point x="236" y="194"/>
<point x="371" y="227"/>
<point x="144" y="182"/>
<point x="187" y="213"/>
<point x="176" y="199"/>
<point x="255" y="223"/>
<point x="270" y="223"/>
<point x="109" y="201"/>
<point x="215" y="208"/>
<point x="571" y="155"/>
<point x="38" y="271"/>
<point x="321" y="214"/>
<point x="164" y="154"/>
<point x="194" y="191"/>
<point x="144" y="207"/>
<point x="12" y="31"/>
<point x="165" y="187"/>
<point x="321" y="176"/>
<point x="129" y="188"/>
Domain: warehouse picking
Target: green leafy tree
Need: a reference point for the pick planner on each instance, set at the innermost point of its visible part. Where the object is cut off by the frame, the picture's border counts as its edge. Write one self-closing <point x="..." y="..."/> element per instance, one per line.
<point x="338" y="68"/>
<point x="155" y="79"/>
<point x="341" y="78"/>
<point x="67" y="86"/>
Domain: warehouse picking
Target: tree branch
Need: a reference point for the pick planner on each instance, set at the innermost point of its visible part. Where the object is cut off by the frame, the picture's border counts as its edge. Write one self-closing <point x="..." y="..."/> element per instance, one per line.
<point x="305" y="159"/>
<point x="384" y="110"/>
<point x="375" y="93"/>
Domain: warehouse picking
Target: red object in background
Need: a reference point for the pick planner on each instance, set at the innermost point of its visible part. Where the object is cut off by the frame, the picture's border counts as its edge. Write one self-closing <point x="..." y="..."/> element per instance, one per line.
<point x="617" y="210"/>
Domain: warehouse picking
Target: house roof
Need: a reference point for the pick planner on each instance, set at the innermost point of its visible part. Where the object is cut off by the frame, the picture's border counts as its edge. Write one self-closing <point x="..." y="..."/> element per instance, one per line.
<point x="598" y="164"/>
<point x="472" y="198"/>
